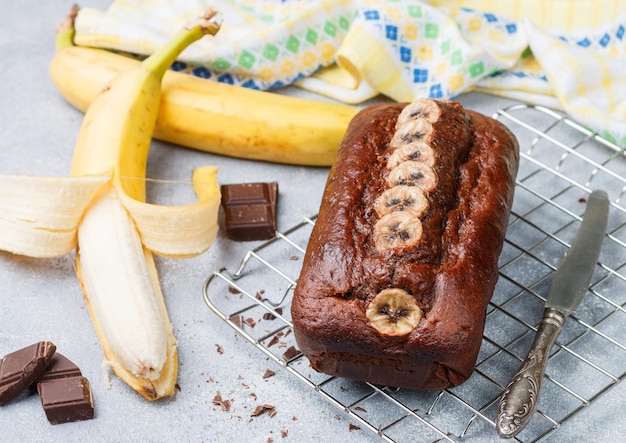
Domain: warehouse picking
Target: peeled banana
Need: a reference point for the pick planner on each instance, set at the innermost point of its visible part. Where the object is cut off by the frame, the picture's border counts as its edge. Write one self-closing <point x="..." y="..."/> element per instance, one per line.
<point x="101" y="212"/>
<point x="211" y="116"/>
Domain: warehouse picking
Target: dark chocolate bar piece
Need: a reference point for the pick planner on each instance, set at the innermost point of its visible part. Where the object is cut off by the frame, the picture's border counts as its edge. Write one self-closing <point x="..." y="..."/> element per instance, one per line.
<point x="66" y="400"/>
<point x="65" y="394"/>
<point x="250" y="210"/>
<point x="19" y="369"/>
<point x="60" y="367"/>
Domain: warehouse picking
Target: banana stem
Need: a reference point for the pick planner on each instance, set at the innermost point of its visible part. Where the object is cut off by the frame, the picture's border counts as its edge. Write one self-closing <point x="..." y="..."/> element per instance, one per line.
<point x="209" y="23"/>
<point x="66" y="30"/>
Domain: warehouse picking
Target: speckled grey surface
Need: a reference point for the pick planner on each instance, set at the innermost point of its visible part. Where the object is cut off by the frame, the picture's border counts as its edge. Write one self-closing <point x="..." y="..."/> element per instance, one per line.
<point x="42" y="300"/>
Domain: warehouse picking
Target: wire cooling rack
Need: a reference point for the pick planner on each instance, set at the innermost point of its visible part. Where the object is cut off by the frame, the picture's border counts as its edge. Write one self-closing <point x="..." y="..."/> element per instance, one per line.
<point x="561" y="162"/>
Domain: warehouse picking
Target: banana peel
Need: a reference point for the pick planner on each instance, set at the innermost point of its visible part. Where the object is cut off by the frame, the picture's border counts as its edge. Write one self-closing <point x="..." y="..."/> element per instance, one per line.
<point x="100" y="211"/>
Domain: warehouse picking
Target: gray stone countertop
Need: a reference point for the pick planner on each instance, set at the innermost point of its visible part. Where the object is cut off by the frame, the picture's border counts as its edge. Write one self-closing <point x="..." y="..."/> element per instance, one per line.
<point x="41" y="298"/>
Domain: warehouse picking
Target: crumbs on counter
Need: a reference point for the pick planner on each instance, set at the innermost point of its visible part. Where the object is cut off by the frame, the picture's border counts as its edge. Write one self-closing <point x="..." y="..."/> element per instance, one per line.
<point x="223" y="404"/>
<point x="237" y="320"/>
<point x="270" y="316"/>
<point x="264" y="409"/>
<point x="291" y="353"/>
<point x="275" y="339"/>
<point x="352" y="427"/>
<point x="234" y="290"/>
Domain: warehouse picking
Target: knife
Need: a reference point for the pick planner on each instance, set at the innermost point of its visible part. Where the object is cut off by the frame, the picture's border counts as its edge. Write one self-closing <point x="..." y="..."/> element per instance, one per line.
<point x="569" y="285"/>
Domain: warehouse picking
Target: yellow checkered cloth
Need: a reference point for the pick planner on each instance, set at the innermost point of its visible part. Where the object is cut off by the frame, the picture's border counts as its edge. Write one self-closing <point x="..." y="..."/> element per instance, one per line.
<point x="565" y="54"/>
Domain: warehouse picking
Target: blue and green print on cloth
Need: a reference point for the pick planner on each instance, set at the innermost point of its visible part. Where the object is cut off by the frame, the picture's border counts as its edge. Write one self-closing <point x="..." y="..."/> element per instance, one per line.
<point x="566" y="55"/>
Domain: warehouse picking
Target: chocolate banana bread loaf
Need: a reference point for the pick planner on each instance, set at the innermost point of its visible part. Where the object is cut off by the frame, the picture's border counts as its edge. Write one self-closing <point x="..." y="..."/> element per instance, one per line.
<point x="403" y="258"/>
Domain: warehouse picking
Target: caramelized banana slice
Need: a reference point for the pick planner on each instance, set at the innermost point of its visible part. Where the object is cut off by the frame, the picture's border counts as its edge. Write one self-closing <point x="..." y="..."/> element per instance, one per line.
<point x="413" y="173"/>
<point x="412" y="131"/>
<point x="416" y="151"/>
<point x="393" y="313"/>
<point x="426" y="109"/>
<point x="409" y="199"/>
<point x="396" y="231"/>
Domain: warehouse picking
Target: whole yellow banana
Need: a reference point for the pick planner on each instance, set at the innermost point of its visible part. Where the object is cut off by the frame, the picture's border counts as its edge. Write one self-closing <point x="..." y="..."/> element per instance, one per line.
<point x="214" y="117"/>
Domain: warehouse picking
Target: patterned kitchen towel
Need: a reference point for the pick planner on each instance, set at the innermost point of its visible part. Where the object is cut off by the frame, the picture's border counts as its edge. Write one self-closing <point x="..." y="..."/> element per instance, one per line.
<point x="262" y="44"/>
<point x="563" y="54"/>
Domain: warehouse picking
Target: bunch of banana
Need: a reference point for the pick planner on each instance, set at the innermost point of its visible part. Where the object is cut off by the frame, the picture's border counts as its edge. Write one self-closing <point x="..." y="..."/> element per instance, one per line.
<point x="101" y="212"/>
<point x="210" y="116"/>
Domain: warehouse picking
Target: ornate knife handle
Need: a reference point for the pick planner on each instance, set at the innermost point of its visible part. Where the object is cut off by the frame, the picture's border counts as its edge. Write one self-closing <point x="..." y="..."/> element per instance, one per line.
<point x="520" y="398"/>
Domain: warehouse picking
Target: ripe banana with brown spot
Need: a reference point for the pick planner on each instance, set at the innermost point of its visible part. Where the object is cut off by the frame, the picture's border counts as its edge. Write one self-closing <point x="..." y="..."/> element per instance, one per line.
<point x="211" y="116"/>
<point x="101" y="211"/>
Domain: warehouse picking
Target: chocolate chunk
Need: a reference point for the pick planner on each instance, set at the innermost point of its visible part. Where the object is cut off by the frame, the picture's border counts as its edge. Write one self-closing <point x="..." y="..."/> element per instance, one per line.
<point x="60" y="367"/>
<point x="65" y="394"/>
<point x="250" y="210"/>
<point x="66" y="400"/>
<point x="19" y="369"/>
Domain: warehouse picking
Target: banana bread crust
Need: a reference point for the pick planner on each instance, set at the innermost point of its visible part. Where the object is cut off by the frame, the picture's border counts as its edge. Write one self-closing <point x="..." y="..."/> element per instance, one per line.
<point x="449" y="272"/>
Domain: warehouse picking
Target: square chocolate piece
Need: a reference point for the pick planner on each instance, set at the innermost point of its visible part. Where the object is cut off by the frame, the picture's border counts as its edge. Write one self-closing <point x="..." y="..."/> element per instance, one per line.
<point x="66" y="400"/>
<point x="250" y="210"/>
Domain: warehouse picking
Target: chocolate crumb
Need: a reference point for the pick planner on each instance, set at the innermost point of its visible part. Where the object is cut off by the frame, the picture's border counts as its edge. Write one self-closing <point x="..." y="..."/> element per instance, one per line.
<point x="270" y="316"/>
<point x="177" y="387"/>
<point x="263" y="409"/>
<point x="223" y="404"/>
<point x="219" y="349"/>
<point x="284" y="433"/>
<point x="250" y="322"/>
<point x="268" y="373"/>
<point x="352" y="427"/>
<point x="359" y="408"/>
<point x="237" y="320"/>
<point x="294" y="257"/>
<point x="273" y="341"/>
<point x="290" y="353"/>
<point x="233" y="290"/>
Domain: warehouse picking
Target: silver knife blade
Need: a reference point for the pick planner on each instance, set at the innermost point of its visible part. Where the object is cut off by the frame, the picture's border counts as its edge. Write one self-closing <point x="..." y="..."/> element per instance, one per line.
<point x="574" y="272"/>
<point x="571" y="280"/>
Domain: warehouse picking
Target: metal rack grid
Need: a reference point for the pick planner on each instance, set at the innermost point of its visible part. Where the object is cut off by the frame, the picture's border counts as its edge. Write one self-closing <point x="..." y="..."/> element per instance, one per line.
<point x="561" y="162"/>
